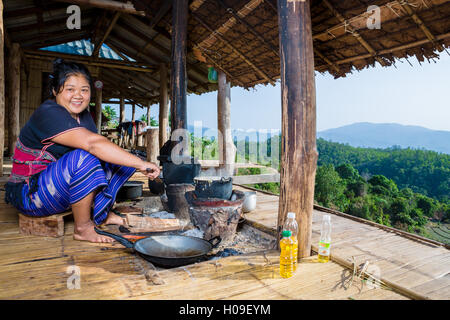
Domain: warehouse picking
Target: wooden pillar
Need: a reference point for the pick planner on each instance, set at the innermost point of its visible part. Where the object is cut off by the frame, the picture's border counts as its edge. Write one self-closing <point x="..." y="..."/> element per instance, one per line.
<point x="163" y="105"/>
<point x="148" y="115"/>
<point x="225" y="140"/>
<point x="178" y="78"/>
<point x="2" y="88"/>
<point x="121" y="120"/>
<point x="122" y="110"/>
<point x="298" y="109"/>
<point x="133" y="118"/>
<point x="152" y="145"/>
<point x="14" y="94"/>
<point x="98" y="110"/>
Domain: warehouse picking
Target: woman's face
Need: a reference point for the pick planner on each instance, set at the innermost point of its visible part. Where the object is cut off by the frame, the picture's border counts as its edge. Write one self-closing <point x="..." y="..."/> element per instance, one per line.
<point x="75" y="94"/>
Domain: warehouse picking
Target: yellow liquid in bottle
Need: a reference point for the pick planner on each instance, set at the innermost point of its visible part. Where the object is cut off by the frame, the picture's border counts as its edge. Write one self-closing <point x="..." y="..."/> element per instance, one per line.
<point x="295" y="251"/>
<point x="324" y="252"/>
<point x="286" y="258"/>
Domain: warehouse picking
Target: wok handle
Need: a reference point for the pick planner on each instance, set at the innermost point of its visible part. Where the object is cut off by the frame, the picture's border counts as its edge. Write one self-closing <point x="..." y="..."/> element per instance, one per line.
<point x="116" y="237"/>
<point x="214" y="245"/>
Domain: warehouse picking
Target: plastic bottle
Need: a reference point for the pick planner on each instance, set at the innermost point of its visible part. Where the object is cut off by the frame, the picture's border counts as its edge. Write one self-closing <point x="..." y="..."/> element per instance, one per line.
<point x="325" y="240"/>
<point x="292" y="226"/>
<point x="286" y="255"/>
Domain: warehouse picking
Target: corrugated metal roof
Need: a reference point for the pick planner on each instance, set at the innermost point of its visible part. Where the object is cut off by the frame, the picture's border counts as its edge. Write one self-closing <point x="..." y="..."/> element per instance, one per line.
<point x="84" y="48"/>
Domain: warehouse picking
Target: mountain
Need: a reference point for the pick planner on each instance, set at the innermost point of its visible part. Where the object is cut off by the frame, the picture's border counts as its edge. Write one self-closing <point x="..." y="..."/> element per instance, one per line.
<point x="385" y="135"/>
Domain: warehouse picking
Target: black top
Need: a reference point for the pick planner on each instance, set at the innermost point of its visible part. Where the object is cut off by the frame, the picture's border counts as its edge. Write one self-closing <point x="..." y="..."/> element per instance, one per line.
<point x="50" y="120"/>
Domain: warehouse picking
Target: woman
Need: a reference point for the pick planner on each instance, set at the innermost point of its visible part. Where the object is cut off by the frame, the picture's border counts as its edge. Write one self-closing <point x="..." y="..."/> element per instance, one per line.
<point x="60" y="161"/>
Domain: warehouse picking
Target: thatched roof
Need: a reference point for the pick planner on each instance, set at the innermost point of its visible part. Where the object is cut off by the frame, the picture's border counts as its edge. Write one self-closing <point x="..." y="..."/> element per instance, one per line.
<point x="236" y="36"/>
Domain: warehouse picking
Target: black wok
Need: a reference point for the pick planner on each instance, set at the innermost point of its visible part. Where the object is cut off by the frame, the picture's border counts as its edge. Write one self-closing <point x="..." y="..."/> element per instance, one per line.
<point x="168" y="250"/>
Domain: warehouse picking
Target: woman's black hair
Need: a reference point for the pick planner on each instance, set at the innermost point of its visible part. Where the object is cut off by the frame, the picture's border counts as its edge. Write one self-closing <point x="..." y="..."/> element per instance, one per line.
<point x="62" y="70"/>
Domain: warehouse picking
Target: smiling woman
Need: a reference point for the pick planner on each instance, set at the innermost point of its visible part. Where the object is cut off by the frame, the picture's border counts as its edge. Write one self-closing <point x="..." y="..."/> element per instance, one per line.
<point x="60" y="161"/>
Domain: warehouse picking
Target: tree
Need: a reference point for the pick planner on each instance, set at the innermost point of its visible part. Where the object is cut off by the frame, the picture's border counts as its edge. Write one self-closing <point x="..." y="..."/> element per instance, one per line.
<point x="329" y="188"/>
<point x="153" y="122"/>
<point x="348" y="172"/>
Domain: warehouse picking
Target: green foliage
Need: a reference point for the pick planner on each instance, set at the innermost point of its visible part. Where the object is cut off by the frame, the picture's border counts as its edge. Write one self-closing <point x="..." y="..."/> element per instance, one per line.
<point x="422" y="171"/>
<point x="110" y="114"/>
<point x="153" y="122"/>
<point x="329" y="188"/>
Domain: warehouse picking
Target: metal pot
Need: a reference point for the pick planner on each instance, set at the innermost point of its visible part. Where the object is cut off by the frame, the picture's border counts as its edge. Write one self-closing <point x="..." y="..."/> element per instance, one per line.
<point x="130" y="190"/>
<point x="168" y="251"/>
<point x="213" y="187"/>
<point x="156" y="186"/>
<point x="180" y="173"/>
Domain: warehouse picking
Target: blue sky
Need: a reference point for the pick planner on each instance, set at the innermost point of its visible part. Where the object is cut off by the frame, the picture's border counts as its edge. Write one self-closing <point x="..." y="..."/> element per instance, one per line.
<point x="418" y="95"/>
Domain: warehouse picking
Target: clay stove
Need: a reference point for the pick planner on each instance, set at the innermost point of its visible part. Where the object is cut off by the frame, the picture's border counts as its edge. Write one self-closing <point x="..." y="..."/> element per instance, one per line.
<point x="216" y="217"/>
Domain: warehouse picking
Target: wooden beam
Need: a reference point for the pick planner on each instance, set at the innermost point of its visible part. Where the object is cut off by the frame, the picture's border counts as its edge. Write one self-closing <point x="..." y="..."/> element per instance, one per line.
<point x="178" y="79"/>
<point x="316" y="51"/>
<point x="105" y="35"/>
<point x="108" y="5"/>
<point x="358" y="37"/>
<point x="101" y="62"/>
<point x="407" y="7"/>
<point x="235" y="50"/>
<point x="391" y="50"/>
<point x="298" y="110"/>
<point x="163" y="106"/>
<point x="98" y="109"/>
<point x="2" y="87"/>
<point x="14" y="97"/>
<point x="248" y="26"/>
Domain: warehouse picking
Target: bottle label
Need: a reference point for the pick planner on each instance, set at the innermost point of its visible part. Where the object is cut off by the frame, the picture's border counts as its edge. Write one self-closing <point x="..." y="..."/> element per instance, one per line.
<point x="324" y="249"/>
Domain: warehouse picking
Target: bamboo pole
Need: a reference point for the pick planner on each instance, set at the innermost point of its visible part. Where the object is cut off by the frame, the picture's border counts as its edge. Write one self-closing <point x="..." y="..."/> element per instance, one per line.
<point x="163" y="106"/>
<point x="14" y="97"/>
<point x="2" y="88"/>
<point x="133" y="119"/>
<point x="298" y="105"/>
<point x="178" y="79"/>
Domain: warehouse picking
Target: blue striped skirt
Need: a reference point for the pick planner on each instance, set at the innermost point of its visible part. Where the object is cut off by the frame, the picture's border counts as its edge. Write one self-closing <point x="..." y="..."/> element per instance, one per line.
<point x="70" y="179"/>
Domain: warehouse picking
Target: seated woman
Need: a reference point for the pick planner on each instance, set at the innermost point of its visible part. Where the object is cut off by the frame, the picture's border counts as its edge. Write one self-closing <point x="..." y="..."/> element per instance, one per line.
<point x="60" y="161"/>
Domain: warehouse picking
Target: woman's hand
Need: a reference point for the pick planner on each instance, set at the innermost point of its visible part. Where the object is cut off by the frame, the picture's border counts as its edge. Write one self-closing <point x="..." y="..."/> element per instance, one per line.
<point x="149" y="169"/>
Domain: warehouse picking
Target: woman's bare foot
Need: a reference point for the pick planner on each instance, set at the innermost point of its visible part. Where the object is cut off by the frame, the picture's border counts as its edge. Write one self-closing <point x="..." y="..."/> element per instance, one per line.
<point x="114" y="219"/>
<point x="86" y="232"/>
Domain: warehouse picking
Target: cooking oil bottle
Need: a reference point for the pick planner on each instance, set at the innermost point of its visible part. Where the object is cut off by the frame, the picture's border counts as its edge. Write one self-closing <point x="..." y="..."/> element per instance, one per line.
<point x="325" y="240"/>
<point x="286" y="255"/>
<point x="292" y="226"/>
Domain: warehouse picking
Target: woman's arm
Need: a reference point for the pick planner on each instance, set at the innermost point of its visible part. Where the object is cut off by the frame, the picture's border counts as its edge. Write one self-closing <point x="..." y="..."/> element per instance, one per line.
<point x="105" y="150"/>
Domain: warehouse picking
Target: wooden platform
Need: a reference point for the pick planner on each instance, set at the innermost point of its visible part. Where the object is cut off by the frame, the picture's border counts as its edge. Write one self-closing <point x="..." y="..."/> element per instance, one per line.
<point x="419" y="267"/>
<point x="34" y="267"/>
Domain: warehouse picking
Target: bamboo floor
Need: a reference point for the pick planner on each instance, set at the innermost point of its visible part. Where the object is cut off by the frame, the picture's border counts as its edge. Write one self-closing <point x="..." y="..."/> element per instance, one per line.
<point x="34" y="267"/>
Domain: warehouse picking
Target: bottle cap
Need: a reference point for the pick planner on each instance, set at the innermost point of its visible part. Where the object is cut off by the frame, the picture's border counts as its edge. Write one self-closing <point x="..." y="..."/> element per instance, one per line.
<point x="291" y="215"/>
<point x="327" y="218"/>
<point x="286" y="233"/>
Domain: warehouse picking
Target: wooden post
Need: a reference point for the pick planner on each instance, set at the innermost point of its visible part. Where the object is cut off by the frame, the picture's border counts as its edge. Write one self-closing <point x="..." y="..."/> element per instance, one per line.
<point x="133" y="118"/>
<point x="2" y="88"/>
<point x="122" y="110"/>
<point x="14" y="94"/>
<point x="298" y="105"/>
<point x="163" y="105"/>
<point x="148" y="114"/>
<point x="98" y="110"/>
<point x="121" y="120"/>
<point x="152" y="145"/>
<point x="178" y="79"/>
<point x="225" y="140"/>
